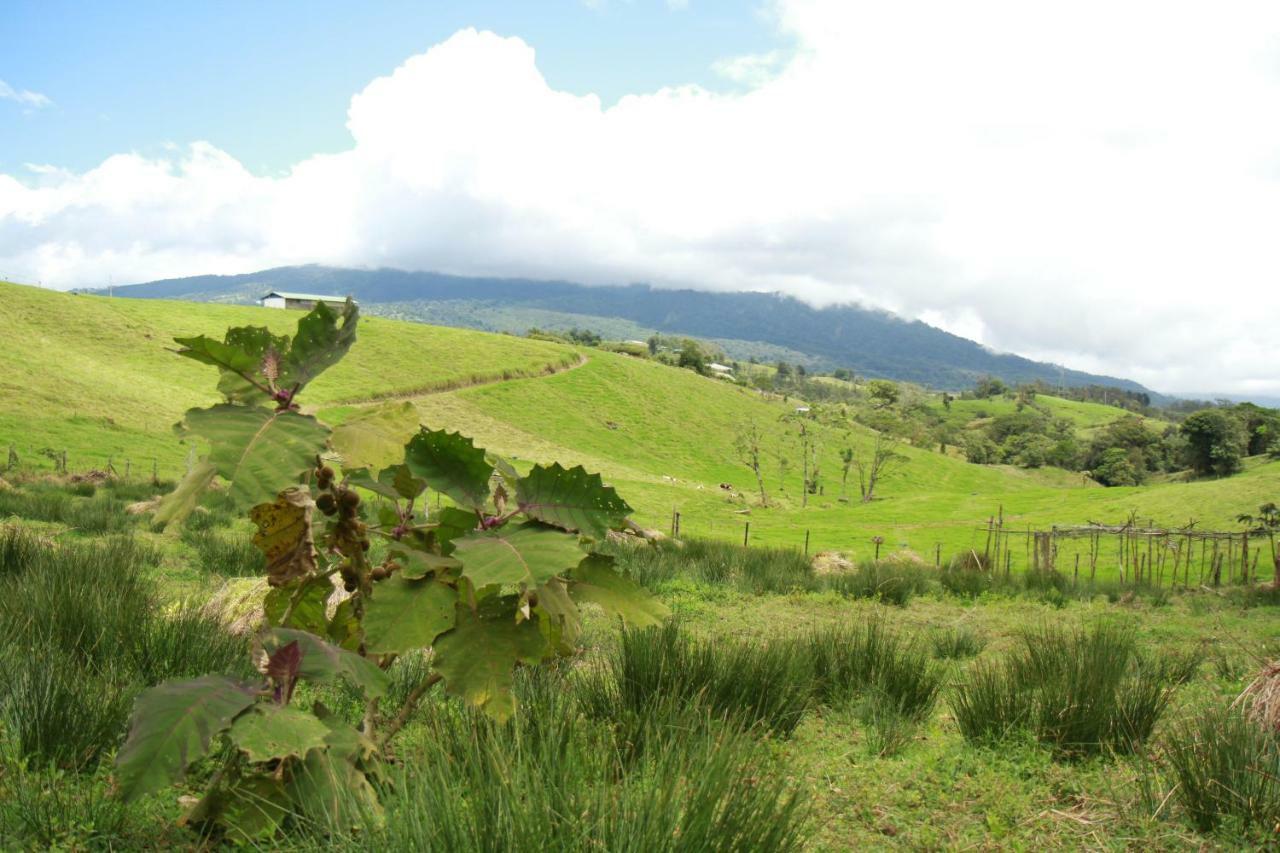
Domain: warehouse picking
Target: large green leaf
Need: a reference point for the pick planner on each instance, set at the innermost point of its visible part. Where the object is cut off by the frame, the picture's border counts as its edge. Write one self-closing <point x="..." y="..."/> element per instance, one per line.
<point x="450" y="463"/>
<point x="181" y="502"/>
<point x="243" y="358"/>
<point x="253" y="808"/>
<point x="322" y="661"/>
<point x="596" y="580"/>
<point x="309" y="614"/>
<point x="259" y="451"/>
<point x="571" y="498"/>
<point x="559" y="619"/>
<point x="330" y="790"/>
<point x="417" y="564"/>
<point x="319" y="343"/>
<point x="277" y="731"/>
<point x="407" y="614"/>
<point x="477" y="657"/>
<point x="375" y="437"/>
<point x="173" y="724"/>
<point x="527" y="554"/>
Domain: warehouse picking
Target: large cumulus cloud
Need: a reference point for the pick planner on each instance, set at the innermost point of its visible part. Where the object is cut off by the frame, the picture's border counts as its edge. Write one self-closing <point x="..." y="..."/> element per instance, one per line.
<point x="1094" y="183"/>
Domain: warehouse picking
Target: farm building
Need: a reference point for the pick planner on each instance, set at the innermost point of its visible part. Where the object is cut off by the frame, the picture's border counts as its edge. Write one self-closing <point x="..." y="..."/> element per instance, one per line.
<point x="718" y="369"/>
<point x="304" y="301"/>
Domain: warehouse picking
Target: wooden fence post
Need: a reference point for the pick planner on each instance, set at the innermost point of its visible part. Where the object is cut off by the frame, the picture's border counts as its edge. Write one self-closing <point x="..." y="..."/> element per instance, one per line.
<point x="806" y="543"/>
<point x="746" y="534"/>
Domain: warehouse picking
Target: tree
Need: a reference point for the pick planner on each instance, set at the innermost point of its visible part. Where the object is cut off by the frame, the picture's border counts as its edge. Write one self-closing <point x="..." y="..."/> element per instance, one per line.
<point x="846" y="462"/>
<point x="653" y="344"/>
<point x="1114" y="468"/>
<point x="875" y="464"/>
<point x="883" y="393"/>
<point x="748" y="444"/>
<point x="808" y="453"/>
<point x="692" y="356"/>
<point x="1215" y="442"/>
<point x="987" y="387"/>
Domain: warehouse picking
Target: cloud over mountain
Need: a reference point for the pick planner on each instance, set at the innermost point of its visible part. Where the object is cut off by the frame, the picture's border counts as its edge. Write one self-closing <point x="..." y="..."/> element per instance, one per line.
<point x="1093" y="183"/>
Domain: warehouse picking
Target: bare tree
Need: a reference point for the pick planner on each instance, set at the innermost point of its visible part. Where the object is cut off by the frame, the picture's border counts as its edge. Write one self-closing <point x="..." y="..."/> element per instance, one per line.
<point x="875" y="464"/>
<point x="748" y="444"/>
<point x="807" y="454"/>
<point x="846" y="462"/>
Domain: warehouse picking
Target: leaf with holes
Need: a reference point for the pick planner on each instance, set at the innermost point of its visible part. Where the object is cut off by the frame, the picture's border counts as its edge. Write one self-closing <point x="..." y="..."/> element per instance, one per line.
<point x="477" y="657"/>
<point x="596" y="580"/>
<point x="319" y="343"/>
<point x="258" y="451"/>
<point x="173" y="725"/>
<point x="406" y="614"/>
<point x="528" y="554"/>
<point x="450" y="463"/>
<point x="284" y="536"/>
<point x="324" y="662"/>
<point x="571" y="499"/>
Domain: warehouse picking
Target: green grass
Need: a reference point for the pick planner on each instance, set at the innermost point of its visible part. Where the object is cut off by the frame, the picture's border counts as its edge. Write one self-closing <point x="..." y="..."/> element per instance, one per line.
<point x="96" y="377"/>
<point x="664" y="436"/>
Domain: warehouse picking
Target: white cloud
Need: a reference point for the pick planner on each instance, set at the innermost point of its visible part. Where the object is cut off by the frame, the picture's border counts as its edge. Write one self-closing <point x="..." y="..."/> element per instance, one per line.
<point x="1094" y="183"/>
<point x="753" y="69"/>
<point x="33" y="100"/>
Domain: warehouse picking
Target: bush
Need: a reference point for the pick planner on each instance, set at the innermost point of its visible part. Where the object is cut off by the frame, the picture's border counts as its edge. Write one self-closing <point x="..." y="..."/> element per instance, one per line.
<point x="968" y="575"/>
<point x="1228" y="768"/>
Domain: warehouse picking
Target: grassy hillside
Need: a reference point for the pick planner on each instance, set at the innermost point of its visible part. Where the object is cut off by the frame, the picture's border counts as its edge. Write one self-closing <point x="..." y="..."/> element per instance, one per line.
<point x="93" y="376"/>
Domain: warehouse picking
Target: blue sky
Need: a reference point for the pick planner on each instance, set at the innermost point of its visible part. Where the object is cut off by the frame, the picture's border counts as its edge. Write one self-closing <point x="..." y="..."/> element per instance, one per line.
<point x="269" y="82"/>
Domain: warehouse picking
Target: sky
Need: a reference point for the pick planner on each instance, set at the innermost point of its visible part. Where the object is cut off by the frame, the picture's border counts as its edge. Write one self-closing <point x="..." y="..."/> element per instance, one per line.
<point x="1095" y="184"/>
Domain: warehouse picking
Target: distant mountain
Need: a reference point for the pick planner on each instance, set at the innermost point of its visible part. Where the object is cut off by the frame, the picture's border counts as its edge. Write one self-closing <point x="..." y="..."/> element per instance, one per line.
<point x="768" y="326"/>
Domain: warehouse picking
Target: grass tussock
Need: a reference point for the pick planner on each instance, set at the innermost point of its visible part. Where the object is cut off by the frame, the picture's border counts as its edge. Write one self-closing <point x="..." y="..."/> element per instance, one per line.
<point x="1081" y="692"/>
<point x="957" y="642"/>
<point x="1227" y="769"/>
<point x="224" y="553"/>
<point x="746" y="684"/>
<point x="82" y="632"/>
<point x="558" y="778"/>
<point x="55" y="503"/>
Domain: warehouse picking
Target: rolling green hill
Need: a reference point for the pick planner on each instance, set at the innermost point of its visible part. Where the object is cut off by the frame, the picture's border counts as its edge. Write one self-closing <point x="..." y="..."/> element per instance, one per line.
<point x="93" y="376"/>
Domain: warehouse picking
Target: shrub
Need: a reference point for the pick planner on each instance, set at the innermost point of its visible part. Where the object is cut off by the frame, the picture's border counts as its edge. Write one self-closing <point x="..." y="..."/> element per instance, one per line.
<point x="990" y="703"/>
<point x="968" y="575"/>
<point x="1227" y="767"/>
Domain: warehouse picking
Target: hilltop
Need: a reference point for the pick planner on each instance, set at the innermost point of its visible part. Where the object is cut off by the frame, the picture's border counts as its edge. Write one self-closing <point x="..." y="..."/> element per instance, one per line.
<point x="93" y="376"/>
<point x="761" y="325"/>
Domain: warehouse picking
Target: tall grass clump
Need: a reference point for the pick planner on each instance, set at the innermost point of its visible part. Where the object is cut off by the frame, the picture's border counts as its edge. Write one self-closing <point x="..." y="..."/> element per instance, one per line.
<point x="230" y="555"/>
<point x="968" y="575"/>
<point x="957" y="643"/>
<point x="1082" y="692"/>
<point x="889" y="581"/>
<point x="81" y="632"/>
<point x="854" y="660"/>
<point x="748" y="684"/>
<point x="1228" y="770"/>
<point x="54" y="503"/>
<point x="556" y="779"/>
<point x="751" y="570"/>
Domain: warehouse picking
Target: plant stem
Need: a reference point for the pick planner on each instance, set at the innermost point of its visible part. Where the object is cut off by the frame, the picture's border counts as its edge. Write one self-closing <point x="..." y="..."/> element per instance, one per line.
<point x="407" y="709"/>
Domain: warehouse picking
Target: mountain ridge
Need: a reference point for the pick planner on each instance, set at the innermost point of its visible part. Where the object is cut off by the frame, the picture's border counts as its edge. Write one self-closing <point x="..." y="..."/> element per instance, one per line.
<point x="870" y="341"/>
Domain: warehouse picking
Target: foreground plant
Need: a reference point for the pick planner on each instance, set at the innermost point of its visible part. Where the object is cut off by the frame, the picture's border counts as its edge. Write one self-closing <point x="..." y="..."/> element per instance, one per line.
<point x="489" y="583"/>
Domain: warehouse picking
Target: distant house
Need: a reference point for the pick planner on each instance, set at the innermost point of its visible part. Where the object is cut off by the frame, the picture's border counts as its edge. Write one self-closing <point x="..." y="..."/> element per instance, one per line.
<point x="802" y="410"/>
<point x="718" y="369"/>
<point x="303" y="301"/>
